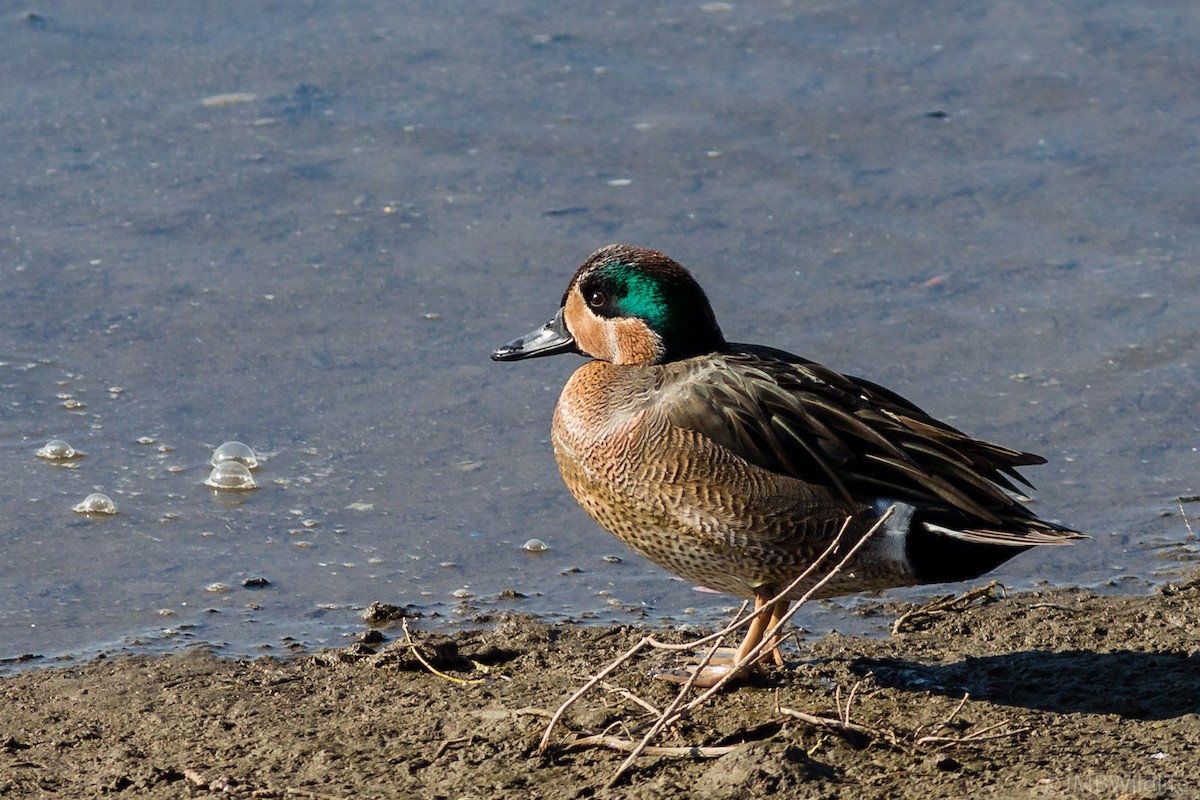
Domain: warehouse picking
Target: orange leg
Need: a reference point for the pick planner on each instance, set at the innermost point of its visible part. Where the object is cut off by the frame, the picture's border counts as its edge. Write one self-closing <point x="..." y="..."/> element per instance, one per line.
<point x="777" y="613"/>
<point x="754" y="633"/>
<point x="759" y="627"/>
<point x="725" y="659"/>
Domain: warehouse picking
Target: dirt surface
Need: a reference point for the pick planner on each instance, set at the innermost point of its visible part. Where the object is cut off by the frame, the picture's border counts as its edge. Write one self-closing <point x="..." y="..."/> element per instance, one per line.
<point x="1070" y="694"/>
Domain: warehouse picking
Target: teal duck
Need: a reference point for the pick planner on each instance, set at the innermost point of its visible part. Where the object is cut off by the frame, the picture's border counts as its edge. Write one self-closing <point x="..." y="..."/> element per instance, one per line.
<point x="735" y="465"/>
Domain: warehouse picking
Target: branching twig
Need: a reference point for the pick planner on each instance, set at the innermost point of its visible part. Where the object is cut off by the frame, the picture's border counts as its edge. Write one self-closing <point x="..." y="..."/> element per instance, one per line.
<point x="631" y="697"/>
<point x="909" y="620"/>
<point x="677" y="709"/>
<point x="597" y="678"/>
<point x="890" y="738"/>
<point x="666" y="715"/>
<point x="842" y="726"/>
<point x="754" y="654"/>
<point x="978" y="736"/>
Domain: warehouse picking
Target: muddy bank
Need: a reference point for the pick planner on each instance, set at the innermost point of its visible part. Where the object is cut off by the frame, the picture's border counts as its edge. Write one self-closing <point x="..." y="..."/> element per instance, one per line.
<point x="1069" y="694"/>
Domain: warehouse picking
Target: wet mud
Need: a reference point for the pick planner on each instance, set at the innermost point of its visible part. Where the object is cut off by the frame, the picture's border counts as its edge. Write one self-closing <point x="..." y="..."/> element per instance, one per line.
<point x="1062" y="693"/>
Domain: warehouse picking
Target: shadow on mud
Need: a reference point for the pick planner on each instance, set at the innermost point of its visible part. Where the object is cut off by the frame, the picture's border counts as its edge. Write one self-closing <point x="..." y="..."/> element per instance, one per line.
<point x="1129" y="684"/>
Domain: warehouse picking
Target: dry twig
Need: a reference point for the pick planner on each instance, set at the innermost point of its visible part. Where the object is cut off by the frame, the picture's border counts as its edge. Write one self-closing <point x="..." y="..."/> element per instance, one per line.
<point x="425" y="663"/>
<point x="982" y="735"/>
<point x="677" y="709"/>
<point x="842" y="726"/>
<point x="920" y="618"/>
<point x="666" y="715"/>
<point x="628" y="745"/>
<point x="890" y="738"/>
<point x="630" y="696"/>
<point x="950" y="717"/>
<point x="1183" y="512"/>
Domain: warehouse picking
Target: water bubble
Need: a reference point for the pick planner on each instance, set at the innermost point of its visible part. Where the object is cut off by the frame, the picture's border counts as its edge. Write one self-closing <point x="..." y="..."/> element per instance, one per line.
<point x="235" y="451"/>
<point x="57" y="450"/>
<point x="217" y="588"/>
<point x="535" y="546"/>
<point x="231" y="476"/>
<point x="463" y="594"/>
<point x="96" y="504"/>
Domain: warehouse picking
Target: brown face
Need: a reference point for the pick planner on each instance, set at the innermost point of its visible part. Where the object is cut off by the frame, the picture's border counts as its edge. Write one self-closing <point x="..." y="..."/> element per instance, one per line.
<point x="618" y="340"/>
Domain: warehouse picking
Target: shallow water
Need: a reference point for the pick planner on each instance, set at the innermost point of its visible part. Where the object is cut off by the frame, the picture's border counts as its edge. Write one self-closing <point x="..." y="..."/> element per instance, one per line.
<point x="986" y="207"/>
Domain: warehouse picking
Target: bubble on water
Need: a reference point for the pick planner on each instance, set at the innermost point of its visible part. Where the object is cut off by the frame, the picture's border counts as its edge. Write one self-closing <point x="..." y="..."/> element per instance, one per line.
<point x="57" y="450"/>
<point x="535" y="546"/>
<point x="97" y="503"/>
<point x="462" y="594"/>
<point x="235" y="451"/>
<point x="231" y="476"/>
<point x="217" y="588"/>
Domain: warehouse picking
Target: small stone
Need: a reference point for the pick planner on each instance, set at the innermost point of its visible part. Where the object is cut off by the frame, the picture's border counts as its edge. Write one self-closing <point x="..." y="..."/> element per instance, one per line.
<point x="378" y="613"/>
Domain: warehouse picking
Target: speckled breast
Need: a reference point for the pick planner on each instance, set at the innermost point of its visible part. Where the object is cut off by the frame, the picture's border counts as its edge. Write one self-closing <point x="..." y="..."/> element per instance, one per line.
<point x="671" y="494"/>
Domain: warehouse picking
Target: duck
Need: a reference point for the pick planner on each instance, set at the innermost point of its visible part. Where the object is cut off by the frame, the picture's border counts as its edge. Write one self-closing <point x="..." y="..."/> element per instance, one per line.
<point x="735" y="465"/>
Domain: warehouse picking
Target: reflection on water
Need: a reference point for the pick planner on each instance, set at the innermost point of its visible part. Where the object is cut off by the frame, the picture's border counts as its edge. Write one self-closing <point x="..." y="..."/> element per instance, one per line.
<point x="987" y="210"/>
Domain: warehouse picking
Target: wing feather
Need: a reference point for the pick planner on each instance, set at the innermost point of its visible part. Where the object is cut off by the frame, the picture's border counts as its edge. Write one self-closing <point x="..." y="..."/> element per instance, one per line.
<point x="792" y="416"/>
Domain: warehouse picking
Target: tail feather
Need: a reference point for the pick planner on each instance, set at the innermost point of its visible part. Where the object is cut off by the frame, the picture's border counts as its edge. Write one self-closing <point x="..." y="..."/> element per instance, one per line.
<point x="1051" y="535"/>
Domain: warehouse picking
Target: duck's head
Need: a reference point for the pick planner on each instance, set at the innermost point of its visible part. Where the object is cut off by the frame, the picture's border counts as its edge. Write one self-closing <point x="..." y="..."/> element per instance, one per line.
<point x="626" y="305"/>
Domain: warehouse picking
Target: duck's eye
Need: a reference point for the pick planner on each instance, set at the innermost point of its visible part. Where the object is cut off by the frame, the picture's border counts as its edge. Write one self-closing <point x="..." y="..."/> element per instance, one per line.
<point x="597" y="300"/>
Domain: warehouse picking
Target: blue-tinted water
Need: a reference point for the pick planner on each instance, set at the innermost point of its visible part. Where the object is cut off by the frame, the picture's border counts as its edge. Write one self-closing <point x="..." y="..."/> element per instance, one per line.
<point x="989" y="208"/>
